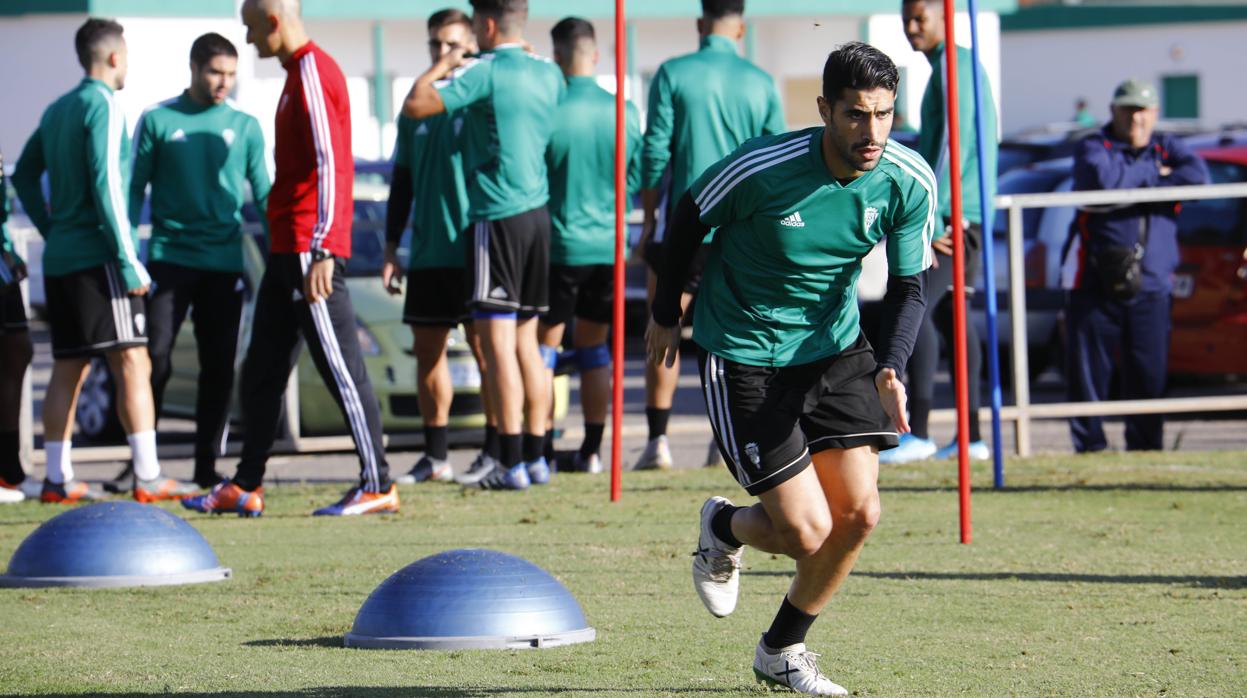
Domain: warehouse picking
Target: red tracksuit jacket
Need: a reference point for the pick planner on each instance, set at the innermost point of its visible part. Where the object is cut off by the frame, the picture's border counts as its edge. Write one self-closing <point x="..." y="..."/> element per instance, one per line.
<point x="310" y="205"/>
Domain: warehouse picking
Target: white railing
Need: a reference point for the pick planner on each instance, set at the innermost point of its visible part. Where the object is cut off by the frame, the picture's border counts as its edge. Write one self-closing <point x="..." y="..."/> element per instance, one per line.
<point x="1023" y="411"/>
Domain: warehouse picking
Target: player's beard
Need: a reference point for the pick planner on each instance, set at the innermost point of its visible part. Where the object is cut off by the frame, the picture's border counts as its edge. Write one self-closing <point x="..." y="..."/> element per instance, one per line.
<point x="849" y="153"/>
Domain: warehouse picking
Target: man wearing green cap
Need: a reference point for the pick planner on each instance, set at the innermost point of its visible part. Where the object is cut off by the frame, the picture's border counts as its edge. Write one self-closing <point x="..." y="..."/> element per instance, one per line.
<point x="1118" y="266"/>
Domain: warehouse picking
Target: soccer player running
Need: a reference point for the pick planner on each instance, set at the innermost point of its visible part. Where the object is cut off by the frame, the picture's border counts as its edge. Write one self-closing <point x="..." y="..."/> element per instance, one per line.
<point x="581" y="161"/>
<point x="199" y="151"/>
<point x="428" y="169"/>
<point x="93" y="279"/>
<point x="303" y="291"/>
<point x="702" y="106"/>
<point x="510" y="98"/>
<point x="924" y="27"/>
<point x="788" y="378"/>
<point x="15" y="355"/>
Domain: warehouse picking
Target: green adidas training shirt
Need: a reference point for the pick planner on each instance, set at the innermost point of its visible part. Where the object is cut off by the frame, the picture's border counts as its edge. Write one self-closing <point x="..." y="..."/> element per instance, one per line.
<point x="510" y="96"/>
<point x="83" y="145"/>
<point x="197" y="158"/>
<point x="581" y="162"/>
<point x="433" y="149"/>
<point x="933" y="138"/>
<point x="780" y="283"/>
<point x="702" y="106"/>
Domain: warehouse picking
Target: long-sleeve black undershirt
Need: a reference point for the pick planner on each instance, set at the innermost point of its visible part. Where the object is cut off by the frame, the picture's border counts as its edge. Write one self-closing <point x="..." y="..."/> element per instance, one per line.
<point x="398" y="210"/>
<point x="903" y="304"/>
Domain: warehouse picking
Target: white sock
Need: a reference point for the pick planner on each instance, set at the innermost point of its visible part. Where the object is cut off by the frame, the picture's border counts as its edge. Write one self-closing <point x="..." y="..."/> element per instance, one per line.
<point x="143" y="451"/>
<point x="60" y="464"/>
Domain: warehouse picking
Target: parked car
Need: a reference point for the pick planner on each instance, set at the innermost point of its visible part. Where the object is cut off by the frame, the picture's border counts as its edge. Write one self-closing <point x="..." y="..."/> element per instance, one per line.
<point x="385" y="340"/>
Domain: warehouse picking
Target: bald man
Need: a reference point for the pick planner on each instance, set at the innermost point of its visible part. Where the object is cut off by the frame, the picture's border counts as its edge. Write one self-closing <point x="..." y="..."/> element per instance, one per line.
<point x="303" y="292"/>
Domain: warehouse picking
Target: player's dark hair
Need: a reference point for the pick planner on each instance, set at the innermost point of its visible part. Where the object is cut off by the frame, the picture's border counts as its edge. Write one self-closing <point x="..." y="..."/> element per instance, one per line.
<point x="718" y="9"/>
<point x="509" y="14"/>
<point x="569" y="32"/>
<point x="210" y="46"/>
<point x="858" y="66"/>
<point x="93" y="37"/>
<point x="447" y="17"/>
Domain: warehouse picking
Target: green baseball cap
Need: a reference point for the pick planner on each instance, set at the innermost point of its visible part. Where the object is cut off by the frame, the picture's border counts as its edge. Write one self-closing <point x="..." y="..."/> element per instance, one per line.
<point x="1135" y="93"/>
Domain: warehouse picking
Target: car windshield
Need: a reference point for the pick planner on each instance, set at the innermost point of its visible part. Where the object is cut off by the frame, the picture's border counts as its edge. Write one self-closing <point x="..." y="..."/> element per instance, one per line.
<point x="1026" y="181"/>
<point x="368" y="239"/>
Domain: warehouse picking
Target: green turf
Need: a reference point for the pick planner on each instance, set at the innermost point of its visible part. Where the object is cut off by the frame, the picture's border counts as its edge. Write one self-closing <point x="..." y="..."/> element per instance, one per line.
<point x="1108" y="575"/>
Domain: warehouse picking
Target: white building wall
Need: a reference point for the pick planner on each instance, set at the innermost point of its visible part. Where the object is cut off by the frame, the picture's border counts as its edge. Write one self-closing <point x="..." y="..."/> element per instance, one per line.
<point x="1057" y="67"/>
<point x="40" y="67"/>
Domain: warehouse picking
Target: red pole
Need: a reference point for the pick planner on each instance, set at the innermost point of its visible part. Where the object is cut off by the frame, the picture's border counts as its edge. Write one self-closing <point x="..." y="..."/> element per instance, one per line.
<point x="621" y="232"/>
<point x="959" y="274"/>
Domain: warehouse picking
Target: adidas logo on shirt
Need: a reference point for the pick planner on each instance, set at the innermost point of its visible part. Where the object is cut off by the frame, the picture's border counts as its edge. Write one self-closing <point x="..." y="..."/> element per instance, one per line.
<point x="422" y="130"/>
<point x="793" y="221"/>
<point x="178" y="135"/>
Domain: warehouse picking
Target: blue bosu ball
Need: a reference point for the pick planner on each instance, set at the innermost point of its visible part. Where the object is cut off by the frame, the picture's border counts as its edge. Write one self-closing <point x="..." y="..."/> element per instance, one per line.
<point x="113" y="544"/>
<point x="469" y="599"/>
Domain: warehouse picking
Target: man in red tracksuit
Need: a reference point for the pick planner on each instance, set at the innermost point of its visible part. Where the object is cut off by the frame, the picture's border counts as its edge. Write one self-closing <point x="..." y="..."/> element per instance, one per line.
<point x="304" y="287"/>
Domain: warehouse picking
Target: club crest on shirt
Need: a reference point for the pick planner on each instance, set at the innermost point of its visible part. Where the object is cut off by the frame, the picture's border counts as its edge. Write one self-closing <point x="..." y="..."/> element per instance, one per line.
<point x="228" y="136"/>
<point x="869" y="216"/>
<point x="422" y="130"/>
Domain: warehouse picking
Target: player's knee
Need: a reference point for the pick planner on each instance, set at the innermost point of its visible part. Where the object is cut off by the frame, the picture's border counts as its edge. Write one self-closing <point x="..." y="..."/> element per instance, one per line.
<point x="860" y="519"/>
<point x="805" y="538"/>
<point x="597" y="356"/>
<point x="133" y="361"/>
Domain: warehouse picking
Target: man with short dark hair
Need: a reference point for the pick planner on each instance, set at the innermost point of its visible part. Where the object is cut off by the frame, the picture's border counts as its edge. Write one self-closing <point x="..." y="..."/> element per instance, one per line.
<point x="15" y="355"/>
<point x="94" y="282"/>
<point x="303" y="292"/>
<point x="789" y="379"/>
<point x="701" y="107"/>
<point x="1118" y="267"/>
<point x="509" y="96"/>
<point x="581" y="160"/>
<point x="199" y="151"/>
<point x="924" y="27"/>
<point x="428" y="170"/>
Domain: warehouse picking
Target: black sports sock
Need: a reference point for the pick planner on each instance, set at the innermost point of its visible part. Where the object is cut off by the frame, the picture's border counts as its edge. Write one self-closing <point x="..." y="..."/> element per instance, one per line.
<point x="657" y="418"/>
<point x="789" y="627"/>
<point x="435" y="442"/>
<point x="721" y="526"/>
<point x="593" y="440"/>
<point x="533" y="445"/>
<point x="493" y="443"/>
<point x="10" y="458"/>
<point x="512" y="451"/>
<point x="547" y="446"/>
<point x="919" y="412"/>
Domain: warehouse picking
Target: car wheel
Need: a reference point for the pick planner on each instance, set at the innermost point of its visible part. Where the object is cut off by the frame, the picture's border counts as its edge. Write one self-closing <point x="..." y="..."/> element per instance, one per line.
<point x="96" y="412"/>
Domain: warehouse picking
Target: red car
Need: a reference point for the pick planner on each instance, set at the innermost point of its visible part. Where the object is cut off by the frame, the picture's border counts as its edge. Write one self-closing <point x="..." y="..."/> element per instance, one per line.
<point x="1209" y="291"/>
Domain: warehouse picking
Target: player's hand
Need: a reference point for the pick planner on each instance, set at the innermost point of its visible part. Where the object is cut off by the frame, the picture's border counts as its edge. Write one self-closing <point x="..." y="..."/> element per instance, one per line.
<point x="944" y="246"/>
<point x="456" y="57"/>
<point x="1164" y="170"/>
<point x="392" y="274"/>
<point x="19" y="268"/>
<point x="318" y="283"/>
<point x="892" y="397"/>
<point x="662" y="344"/>
<point x="638" y="250"/>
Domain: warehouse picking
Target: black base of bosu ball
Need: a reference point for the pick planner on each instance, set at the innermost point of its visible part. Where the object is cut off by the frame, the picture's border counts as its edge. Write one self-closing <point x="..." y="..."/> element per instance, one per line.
<point x="113" y="544"/>
<point x="469" y="599"/>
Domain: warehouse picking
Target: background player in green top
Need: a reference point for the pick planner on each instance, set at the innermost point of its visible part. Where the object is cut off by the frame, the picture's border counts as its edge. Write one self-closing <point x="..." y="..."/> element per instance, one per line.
<point x="428" y="169"/>
<point x="510" y="96"/>
<point x="198" y="152"/>
<point x="15" y="354"/>
<point x="581" y="159"/>
<point x="701" y="107"/>
<point x="789" y="379"/>
<point x="924" y="27"/>
<point x="93" y="279"/>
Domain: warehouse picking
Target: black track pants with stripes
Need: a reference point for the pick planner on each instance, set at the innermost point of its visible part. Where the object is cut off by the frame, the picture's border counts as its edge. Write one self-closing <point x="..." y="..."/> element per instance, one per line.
<point x="282" y="317"/>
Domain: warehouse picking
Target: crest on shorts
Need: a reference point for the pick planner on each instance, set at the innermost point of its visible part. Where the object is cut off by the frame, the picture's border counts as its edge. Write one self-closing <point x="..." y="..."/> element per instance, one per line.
<point x="868" y="217"/>
<point x="751" y="450"/>
<point x="140" y="323"/>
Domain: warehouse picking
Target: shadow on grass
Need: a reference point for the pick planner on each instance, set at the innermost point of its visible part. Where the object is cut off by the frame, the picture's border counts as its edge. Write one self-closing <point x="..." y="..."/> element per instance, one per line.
<point x="1199" y="581"/>
<point x="334" y="641"/>
<point x="1107" y="487"/>
<point x="422" y="691"/>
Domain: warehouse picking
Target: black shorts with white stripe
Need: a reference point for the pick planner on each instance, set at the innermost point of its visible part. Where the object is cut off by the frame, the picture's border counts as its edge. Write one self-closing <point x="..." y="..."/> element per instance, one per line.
<point x="768" y="420"/>
<point x="436" y="297"/>
<point x="509" y="264"/>
<point x="12" y="310"/>
<point x="90" y="313"/>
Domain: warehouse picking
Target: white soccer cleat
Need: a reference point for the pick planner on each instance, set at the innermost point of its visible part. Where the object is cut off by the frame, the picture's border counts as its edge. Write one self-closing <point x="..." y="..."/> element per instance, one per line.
<point x="793" y="667"/>
<point x="11" y="495"/>
<point x="716" y="566"/>
<point x="657" y="455"/>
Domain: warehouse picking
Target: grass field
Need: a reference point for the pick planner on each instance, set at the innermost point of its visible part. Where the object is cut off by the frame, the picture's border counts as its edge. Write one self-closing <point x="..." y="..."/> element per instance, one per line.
<point x="1093" y="576"/>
